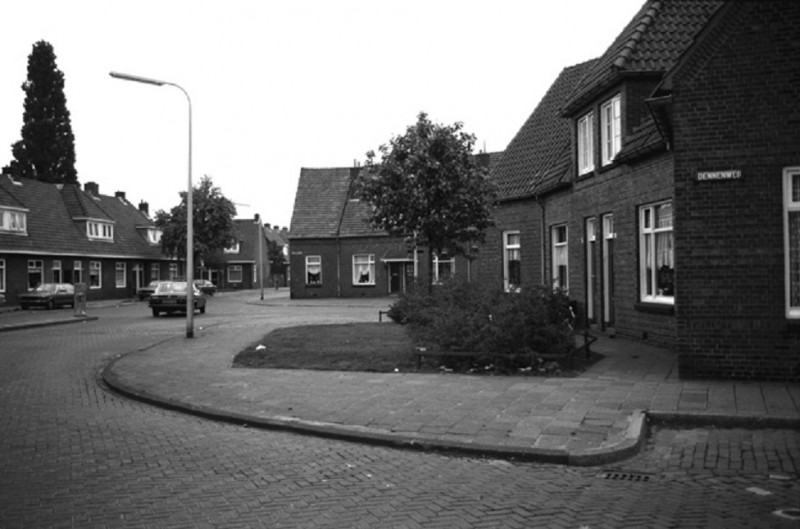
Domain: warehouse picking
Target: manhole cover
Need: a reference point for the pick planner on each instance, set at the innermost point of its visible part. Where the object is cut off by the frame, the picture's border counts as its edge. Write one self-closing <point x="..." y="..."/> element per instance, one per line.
<point x="625" y="475"/>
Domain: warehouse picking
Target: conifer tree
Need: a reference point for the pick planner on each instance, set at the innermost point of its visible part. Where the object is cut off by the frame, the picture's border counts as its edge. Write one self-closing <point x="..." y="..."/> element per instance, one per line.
<point x="46" y="151"/>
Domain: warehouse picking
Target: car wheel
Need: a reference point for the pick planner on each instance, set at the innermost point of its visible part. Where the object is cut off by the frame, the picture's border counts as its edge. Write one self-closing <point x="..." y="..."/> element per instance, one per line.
<point x="51" y="305"/>
<point x="155" y="313"/>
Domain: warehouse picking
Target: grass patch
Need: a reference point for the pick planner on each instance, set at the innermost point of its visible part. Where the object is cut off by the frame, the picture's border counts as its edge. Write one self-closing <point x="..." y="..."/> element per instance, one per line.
<point x="379" y="347"/>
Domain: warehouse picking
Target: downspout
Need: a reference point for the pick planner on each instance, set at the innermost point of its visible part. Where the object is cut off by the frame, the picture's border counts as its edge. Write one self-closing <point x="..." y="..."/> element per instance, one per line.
<point x="543" y="242"/>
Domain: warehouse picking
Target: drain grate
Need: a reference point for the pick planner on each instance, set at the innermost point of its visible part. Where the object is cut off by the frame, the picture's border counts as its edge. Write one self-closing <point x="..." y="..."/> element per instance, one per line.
<point x="625" y="475"/>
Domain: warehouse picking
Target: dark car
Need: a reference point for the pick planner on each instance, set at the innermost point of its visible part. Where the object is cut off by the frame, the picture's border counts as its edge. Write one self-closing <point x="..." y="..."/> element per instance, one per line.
<point x="170" y="296"/>
<point x="206" y="286"/>
<point x="147" y="290"/>
<point x="49" y="296"/>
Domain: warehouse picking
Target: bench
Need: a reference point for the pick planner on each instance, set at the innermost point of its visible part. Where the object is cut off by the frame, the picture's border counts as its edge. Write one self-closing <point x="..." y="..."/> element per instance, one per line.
<point x="381" y="314"/>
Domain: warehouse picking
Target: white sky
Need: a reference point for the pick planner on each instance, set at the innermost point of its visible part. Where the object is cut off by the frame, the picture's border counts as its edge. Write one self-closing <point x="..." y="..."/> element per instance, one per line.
<point x="280" y="85"/>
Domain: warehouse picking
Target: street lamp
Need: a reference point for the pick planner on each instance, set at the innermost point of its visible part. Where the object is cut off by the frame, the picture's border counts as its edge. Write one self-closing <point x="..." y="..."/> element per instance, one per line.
<point x="189" y="205"/>
<point x="260" y="254"/>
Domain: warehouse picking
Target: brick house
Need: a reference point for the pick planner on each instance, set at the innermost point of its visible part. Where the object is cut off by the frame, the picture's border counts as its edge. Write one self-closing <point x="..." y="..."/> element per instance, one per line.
<point x="672" y="214"/>
<point x="62" y="233"/>
<point x="335" y="253"/>
<point x="238" y="267"/>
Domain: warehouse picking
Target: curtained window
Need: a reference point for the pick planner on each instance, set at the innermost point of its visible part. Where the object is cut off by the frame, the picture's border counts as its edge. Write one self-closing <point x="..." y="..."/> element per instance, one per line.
<point x="512" y="261"/>
<point x="364" y="269"/>
<point x="313" y="270"/>
<point x="657" y="259"/>
<point x="560" y="257"/>
<point x="791" y="193"/>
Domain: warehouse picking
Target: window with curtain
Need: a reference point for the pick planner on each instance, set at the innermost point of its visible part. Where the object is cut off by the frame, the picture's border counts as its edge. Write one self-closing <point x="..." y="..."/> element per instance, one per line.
<point x="560" y="257"/>
<point x="313" y="270"/>
<point x="585" y="134"/>
<point x="155" y="271"/>
<point x="119" y="274"/>
<point x="791" y="229"/>
<point x="657" y="259"/>
<point x="57" y="277"/>
<point x="611" y="128"/>
<point x="235" y="273"/>
<point x="95" y="274"/>
<point x="512" y="261"/>
<point x="364" y="269"/>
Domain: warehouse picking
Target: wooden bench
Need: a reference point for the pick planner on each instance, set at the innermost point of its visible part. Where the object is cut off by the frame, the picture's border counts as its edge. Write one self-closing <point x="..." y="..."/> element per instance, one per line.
<point x="381" y="314"/>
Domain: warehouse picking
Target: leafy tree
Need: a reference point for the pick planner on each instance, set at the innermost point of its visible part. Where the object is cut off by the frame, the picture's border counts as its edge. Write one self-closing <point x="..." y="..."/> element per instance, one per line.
<point x="46" y="151"/>
<point x="213" y="224"/>
<point x="429" y="189"/>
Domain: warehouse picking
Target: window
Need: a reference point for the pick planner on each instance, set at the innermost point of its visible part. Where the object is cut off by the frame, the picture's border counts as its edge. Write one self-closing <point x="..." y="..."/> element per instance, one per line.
<point x="154" y="235"/>
<point x="13" y="221"/>
<point x="313" y="270"/>
<point x="234" y="273"/>
<point x="611" y="128"/>
<point x="155" y="271"/>
<point x="35" y="273"/>
<point x="2" y="275"/>
<point x="512" y="264"/>
<point x="99" y="230"/>
<point x="560" y="258"/>
<point x="119" y="276"/>
<point x="95" y="274"/>
<point x="791" y="239"/>
<point x="173" y="271"/>
<point x="586" y="144"/>
<point x="77" y="273"/>
<point x="233" y="249"/>
<point x="591" y="239"/>
<point x="657" y="268"/>
<point x="443" y="268"/>
<point x="57" y="271"/>
<point x="364" y="269"/>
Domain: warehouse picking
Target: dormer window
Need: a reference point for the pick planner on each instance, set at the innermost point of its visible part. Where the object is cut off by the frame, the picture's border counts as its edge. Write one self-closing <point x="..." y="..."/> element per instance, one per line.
<point x="586" y="144"/>
<point x="154" y="235"/>
<point x="12" y="220"/>
<point x="233" y="249"/>
<point x="611" y="128"/>
<point x="99" y="230"/>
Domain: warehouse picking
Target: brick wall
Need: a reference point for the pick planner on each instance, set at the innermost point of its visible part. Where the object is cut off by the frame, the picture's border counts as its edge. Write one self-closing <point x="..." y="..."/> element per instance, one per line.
<point x="736" y="108"/>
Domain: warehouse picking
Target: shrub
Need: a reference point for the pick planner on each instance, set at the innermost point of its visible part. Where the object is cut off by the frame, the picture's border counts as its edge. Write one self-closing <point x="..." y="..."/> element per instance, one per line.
<point x="509" y="329"/>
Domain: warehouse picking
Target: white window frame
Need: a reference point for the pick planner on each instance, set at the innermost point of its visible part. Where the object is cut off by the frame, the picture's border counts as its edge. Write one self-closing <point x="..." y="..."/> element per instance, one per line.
<point x="585" y="143"/>
<point x="57" y="275"/>
<point x="238" y="270"/>
<point x="791" y="208"/>
<point x="99" y="230"/>
<point x="648" y="236"/>
<point x="173" y="271"/>
<point x="235" y="248"/>
<point x="443" y="262"/>
<point x="77" y="272"/>
<point x="14" y="221"/>
<point x="155" y="271"/>
<point x="154" y="235"/>
<point x="96" y="271"/>
<point x="512" y="247"/>
<point x="120" y="280"/>
<point x="362" y="263"/>
<point x="313" y="261"/>
<point x="611" y="129"/>
<point x="2" y="275"/>
<point x="559" y="253"/>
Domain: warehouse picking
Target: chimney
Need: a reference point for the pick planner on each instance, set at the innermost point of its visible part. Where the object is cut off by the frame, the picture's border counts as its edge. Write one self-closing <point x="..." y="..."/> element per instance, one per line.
<point x="120" y="195"/>
<point x="144" y="207"/>
<point x="92" y="187"/>
<point x="267" y="226"/>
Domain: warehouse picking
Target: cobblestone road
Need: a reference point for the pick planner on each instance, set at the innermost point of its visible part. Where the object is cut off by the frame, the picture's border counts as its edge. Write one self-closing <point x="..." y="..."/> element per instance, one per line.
<point x="73" y="454"/>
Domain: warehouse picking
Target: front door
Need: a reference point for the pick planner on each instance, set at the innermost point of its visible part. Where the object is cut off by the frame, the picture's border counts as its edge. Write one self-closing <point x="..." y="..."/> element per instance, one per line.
<point x="608" y="270"/>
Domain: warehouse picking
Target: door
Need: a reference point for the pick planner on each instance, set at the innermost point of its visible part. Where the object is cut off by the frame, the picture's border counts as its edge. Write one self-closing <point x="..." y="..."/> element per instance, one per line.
<point x="395" y="278"/>
<point x="591" y="272"/>
<point x="608" y="270"/>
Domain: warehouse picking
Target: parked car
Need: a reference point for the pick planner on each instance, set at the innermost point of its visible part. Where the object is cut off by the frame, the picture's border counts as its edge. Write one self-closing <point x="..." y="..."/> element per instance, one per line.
<point x="206" y="286"/>
<point x="146" y="291"/>
<point x="49" y="296"/>
<point x="170" y="296"/>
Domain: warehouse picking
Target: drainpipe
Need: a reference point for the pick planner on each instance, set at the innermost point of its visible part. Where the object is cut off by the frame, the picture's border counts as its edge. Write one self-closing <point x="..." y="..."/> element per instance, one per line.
<point x="543" y="242"/>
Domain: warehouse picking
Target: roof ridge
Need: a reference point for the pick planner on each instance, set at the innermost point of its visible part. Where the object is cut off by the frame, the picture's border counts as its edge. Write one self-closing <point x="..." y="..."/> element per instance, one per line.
<point x="629" y="46"/>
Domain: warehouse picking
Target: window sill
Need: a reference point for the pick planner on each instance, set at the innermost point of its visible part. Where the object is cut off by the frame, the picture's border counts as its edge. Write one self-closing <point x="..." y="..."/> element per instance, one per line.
<point x="655" y="308"/>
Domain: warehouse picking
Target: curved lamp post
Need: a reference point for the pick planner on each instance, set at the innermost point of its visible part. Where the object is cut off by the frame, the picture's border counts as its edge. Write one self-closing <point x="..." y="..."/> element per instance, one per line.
<point x="189" y="205"/>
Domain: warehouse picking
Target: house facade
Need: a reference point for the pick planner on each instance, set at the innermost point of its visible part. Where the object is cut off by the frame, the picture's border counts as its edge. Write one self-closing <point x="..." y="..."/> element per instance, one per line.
<point x="658" y="185"/>
<point x="334" y="252"/>
<point x="62" y="233"/>
<point x="238" y="267"/>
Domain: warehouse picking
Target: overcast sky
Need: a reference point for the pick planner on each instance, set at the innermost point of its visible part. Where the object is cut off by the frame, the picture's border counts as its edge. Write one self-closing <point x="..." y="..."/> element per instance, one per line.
<point x="276" y="86"/>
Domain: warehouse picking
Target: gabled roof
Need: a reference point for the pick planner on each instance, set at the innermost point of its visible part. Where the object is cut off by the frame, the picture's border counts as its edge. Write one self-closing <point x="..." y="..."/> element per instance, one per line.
<point x="53" y="230"/>
<point x="320" y="201"/>
<point x="535" y="156"/>
<point x="650" y="44"/>
<point x="247" y="231"/>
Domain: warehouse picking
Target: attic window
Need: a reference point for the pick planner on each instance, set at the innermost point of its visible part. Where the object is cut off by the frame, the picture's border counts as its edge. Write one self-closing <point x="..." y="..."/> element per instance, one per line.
<point x="13" y="221"/>
<point x="611" y="128"/>
<point x="235" y="248"/>
<point x="153" y="235"/>
<point x="99" y="230"/>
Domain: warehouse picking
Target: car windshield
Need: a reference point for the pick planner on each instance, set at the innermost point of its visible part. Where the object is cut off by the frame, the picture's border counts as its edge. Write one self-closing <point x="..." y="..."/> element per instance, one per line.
<point x="171" y="288"/>
<point x="46" y="287"/>
<point x="154" y="283"/>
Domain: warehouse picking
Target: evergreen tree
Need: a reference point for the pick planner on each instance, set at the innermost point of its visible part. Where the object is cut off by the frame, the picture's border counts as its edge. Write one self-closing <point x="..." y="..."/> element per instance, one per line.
<point x="46" y="151"/>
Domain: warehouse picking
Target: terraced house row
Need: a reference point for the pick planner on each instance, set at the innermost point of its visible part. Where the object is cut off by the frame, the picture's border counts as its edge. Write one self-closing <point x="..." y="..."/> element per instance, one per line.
<point x="658" y="184"/>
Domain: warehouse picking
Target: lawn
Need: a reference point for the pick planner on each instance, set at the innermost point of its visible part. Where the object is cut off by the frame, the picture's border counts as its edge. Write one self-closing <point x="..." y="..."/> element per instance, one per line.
<point x="381" y="347"/>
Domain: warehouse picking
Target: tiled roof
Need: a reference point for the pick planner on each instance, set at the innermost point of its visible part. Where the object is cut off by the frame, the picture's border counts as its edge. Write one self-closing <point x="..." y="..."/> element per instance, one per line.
<point x="541" y="144"/>
<point x="247" y="231"/>
<point x="319" y="202"/>
<point x="52" y="230"/>
<point x="651" y="43"/>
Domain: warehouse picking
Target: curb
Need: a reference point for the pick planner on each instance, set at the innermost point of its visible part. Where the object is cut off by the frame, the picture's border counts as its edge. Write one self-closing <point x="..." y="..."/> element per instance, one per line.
<point x="46" y="323"/>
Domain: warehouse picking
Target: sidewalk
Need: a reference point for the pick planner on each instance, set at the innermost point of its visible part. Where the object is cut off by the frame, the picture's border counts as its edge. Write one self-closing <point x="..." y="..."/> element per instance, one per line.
<point x="598" y="417"/>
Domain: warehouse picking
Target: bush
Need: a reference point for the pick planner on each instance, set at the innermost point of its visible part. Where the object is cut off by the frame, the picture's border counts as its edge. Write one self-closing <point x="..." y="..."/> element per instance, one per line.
<point x="509" y="329"/>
